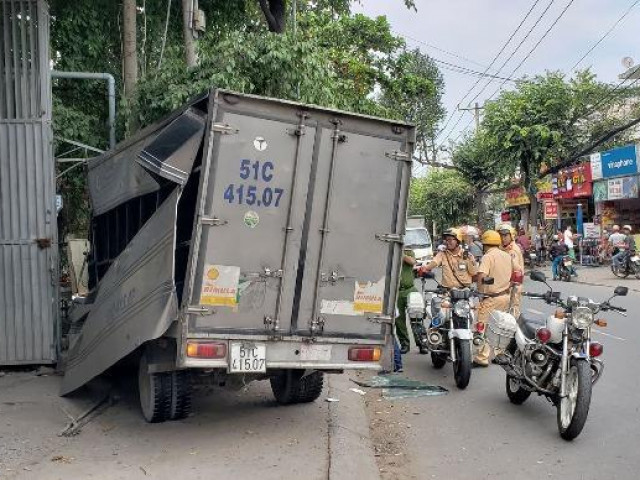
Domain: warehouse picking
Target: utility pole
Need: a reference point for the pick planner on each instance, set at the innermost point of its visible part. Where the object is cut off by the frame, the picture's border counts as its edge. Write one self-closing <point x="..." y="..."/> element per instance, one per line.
<point x="476" y="113"/>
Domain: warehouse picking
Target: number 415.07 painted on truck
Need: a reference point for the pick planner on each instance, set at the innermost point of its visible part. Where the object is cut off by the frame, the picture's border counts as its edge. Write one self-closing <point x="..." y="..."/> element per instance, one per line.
<point x="252" y="194"/>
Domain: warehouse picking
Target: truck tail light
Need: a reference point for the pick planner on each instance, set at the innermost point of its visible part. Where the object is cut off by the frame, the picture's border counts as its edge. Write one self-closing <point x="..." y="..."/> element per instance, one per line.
<point x="206" y="349"/>
<point x="364" y="354"/>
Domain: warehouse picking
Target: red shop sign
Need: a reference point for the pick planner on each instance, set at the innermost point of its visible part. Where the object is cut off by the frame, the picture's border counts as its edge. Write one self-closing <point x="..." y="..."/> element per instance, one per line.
<point x="573" y="182"/>
<point x="550" y="210"/>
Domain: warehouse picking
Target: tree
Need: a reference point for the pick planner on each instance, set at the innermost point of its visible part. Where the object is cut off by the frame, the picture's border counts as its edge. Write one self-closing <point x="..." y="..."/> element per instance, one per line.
<point x="129" y="48"/>
<point x="414" y="93"/>
<point x="545" y="119"/>
<point x="443" y="197"/>
<point x="481" y="167"/>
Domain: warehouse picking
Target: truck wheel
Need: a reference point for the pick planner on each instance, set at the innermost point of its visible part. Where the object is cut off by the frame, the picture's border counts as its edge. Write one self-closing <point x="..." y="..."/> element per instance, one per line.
<point x="180" y="395"/>
<point x="291" y="387"/>
<point x="155" y="393"/>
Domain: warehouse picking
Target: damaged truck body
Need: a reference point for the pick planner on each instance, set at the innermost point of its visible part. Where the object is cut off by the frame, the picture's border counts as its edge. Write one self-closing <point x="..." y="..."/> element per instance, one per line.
<point x="243" y="238"/>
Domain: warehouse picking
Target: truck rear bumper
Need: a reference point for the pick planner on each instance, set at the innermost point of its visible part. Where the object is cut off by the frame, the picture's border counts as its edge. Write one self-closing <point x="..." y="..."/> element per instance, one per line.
<point x="288" y="354"/>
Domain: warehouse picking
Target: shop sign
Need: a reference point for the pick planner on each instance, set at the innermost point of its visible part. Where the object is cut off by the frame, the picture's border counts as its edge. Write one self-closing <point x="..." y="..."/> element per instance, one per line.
<point x="600" y="191"/>
<point x="550" y="210"/>
<point x="614" y="163"/>
<point x="544" y="188"/>
<point x="574" y="182"/>
<point x="516" y="196"/>
<point x="621" y="188"/>
<point x="591" y="230"/>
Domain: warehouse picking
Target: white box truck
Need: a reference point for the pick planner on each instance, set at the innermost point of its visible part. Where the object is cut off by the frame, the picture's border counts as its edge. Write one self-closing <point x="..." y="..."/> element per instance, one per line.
<point x="243" y="238"/>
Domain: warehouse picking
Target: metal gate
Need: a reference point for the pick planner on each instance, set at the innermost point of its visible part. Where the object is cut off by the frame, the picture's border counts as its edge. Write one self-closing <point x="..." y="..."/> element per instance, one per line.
<point x="28" y="233"/>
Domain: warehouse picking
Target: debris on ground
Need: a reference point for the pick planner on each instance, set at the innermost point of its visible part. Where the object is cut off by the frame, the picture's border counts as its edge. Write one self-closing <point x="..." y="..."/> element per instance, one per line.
<point x="43" y="371"/>
<point x="358" y="391"/>
<point x="76" y="424"/>
<point x="397" y="387"/>
<point x="331" y="399"/>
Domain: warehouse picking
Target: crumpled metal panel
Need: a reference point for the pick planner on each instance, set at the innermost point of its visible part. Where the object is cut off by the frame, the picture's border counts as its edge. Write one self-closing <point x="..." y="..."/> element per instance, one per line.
<point x="136" y="300"/>
<point x="117" y="177"/>
<point x="172" y="153"/>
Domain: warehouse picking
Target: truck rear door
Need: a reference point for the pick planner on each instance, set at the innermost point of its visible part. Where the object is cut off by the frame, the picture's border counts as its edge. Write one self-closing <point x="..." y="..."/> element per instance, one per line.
<point x="248" y="250"/>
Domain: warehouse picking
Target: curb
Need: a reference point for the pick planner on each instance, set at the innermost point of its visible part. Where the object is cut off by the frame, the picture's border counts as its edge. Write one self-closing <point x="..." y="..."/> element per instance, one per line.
<point x="350" y="448"/>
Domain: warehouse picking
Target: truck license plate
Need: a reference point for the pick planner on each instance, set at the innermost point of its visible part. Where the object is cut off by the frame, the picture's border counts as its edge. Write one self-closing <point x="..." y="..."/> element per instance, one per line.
<point x="248" y="357"/>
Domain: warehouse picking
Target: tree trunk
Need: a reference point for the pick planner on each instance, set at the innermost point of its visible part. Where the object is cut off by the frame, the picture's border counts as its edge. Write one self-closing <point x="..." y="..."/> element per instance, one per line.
<point x="533" y="211"/>
<point x="190" y="56"/>
<point x="129" y="45"/>
<point x="274" y="13"/>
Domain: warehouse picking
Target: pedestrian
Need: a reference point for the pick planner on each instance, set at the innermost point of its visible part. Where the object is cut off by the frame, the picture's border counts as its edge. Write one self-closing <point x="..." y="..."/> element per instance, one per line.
<point x="557" y="251"/>
<point x="511" y="247"/>
<point x="539" y="244"/>
<point x="458" y="266"/>
<point x="498" y="265"/>
<point x="568" y="241"/>
<point x="406" y="287"/>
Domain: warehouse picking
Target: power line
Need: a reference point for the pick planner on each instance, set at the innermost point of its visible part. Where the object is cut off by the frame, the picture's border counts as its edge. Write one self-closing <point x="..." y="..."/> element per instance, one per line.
<point x="448" y="52"/>
<point x="617" y="22"/>
<point x="564" y="10"/>
<point x="464" y="70"/>
<point x="524" y="39"/>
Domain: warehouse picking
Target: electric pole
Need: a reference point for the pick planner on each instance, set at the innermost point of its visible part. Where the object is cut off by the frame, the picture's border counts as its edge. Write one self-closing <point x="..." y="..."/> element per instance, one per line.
<point x="476" y="113"/>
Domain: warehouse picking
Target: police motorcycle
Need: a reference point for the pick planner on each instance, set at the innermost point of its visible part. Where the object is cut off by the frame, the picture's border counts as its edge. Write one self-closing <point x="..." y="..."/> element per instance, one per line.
<point x="556" y="357"/>
<point x="565" y="268"/>
<point x="445" y="316"/>
<point x="631" y="266"/>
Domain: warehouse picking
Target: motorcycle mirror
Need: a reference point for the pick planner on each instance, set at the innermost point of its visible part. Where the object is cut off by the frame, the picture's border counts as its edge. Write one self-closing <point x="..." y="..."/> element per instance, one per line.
<point x="488" y="281"/>
<point x="538" y="276"/>
<point x="428" y="275"/>
<point x="621" y="291"/>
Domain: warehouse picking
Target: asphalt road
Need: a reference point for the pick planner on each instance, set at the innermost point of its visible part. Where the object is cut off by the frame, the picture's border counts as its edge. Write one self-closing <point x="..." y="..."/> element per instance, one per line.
<point x="477" y="433"/>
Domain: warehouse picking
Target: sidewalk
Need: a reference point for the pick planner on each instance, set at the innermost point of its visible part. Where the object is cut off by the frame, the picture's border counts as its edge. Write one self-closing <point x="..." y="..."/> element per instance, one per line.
<point x="598" y="276"/>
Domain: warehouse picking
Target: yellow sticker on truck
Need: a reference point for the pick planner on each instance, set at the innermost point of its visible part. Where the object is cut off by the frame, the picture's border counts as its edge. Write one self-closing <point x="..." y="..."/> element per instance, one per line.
<point x="220" y="286"/>
<point x="369" y="296"/>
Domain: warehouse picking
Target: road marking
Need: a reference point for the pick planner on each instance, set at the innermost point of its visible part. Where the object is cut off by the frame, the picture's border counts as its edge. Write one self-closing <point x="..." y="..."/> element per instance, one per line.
<point x="536" y="312"/>
<point x="609" y="335"/>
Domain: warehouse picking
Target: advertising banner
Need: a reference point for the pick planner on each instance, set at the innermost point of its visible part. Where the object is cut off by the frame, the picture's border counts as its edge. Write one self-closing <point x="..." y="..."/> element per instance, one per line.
<point x="550" y="210"/>
<point x="516" y="196"/>
<point x="573" y="182"/>
<point x="618" y="162"/>
<point x="591" y="230"/>
<point x="622" y="188"/>
<point x="600" y="191"/>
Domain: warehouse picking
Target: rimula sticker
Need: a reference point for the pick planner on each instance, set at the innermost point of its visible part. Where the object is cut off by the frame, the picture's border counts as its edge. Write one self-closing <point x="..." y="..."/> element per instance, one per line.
<point x="220" y="286"/>
<point x="369" y="296"/>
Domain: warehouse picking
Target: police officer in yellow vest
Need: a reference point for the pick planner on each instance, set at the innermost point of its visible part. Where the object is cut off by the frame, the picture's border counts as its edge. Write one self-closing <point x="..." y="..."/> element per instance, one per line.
<point x="497" y="265"/>
<point x="509" y="245"/>
<point x="458" y="267"/>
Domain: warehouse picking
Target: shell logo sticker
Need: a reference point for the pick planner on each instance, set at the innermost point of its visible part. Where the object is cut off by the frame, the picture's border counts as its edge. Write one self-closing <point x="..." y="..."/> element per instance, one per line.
<point x="213" y="273"/>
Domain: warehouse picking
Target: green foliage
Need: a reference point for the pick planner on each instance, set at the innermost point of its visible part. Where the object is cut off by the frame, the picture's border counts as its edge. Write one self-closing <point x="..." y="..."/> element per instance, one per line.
<point x="479" y="164"/>
<point x="443" y="197"/>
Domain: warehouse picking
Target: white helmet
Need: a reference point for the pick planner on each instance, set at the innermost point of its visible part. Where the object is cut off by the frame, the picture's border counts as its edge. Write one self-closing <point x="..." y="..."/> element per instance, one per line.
<point x="627" y="227"/>
<point x="555" y="237"/>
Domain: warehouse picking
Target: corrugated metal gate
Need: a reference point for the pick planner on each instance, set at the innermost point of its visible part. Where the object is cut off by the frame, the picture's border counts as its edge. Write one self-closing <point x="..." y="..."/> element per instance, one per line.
<point x="28" y="233"/>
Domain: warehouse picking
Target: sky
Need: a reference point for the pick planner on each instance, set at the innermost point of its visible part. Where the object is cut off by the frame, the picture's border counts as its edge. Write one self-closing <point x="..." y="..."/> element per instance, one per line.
<point x="475" y="30"/>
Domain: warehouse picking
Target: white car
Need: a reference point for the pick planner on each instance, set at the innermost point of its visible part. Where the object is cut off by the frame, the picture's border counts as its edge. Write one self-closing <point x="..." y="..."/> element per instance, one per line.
<point x="419" y="240"/>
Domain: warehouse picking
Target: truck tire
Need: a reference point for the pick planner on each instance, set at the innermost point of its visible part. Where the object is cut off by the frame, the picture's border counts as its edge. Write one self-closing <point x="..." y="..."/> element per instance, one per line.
<point x="291" y="387"/>
<point x="180" y="395"/>
<point x="154" y="390"/>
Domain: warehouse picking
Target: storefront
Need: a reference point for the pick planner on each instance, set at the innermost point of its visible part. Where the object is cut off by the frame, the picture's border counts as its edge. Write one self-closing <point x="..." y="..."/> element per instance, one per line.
<point x="616" y="187"/>
<point x="573" y="187"/>
<point x="517" y="202"/>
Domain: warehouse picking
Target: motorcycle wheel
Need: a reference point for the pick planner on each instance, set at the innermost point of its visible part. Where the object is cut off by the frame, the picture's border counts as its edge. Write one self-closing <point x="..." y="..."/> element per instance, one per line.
<point x="438" y="360"/>
<point x="636" y="271"/>
<point x="620" y="273"/>
<point x="462" y="365"/>
<point x="572" y="411"/>
<point x="517" y="395"/>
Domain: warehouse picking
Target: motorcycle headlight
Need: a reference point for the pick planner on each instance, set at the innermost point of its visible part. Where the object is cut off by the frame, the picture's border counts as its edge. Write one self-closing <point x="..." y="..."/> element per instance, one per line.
<point x="582" y="317"/>
<point x="462" y="308"/>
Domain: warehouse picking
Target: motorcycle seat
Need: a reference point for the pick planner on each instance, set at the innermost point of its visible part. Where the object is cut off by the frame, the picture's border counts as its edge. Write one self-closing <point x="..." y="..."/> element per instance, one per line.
<point x="528" y="326"/>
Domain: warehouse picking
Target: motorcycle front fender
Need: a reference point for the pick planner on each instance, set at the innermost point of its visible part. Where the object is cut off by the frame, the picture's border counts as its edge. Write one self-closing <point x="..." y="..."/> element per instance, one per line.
<point x="461" y="333"/>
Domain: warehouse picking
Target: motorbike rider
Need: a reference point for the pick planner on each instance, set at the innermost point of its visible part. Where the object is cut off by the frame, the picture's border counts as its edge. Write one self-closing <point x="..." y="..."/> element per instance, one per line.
<point x="508" y="244"/>
<point x="498" y="265"/>
<point x="458" y="266"/>
<point x="406" y="287"/>
<point x="616" y="239"/>
<point x="627" y="248"/>
<point x="557" y="251"/>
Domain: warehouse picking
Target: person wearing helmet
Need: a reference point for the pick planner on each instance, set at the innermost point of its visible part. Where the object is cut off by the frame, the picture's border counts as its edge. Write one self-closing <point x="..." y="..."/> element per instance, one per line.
<point x="627" y="248"/>
<point x="557" y="251"/>
<point x="509" y="245"/>
<point x="496" y="264"/>
<point x="458" y="267"/>
<point x="616" y="240"/>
